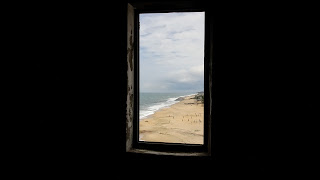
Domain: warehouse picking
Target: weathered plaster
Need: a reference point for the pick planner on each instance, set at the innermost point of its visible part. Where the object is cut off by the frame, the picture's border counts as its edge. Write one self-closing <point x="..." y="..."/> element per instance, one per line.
<point x="130" y="78"/>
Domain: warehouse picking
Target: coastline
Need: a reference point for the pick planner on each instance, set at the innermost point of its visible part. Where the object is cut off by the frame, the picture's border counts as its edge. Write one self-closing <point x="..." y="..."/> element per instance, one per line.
<point x="159" y="106"/>
<point x="181" y="122"/>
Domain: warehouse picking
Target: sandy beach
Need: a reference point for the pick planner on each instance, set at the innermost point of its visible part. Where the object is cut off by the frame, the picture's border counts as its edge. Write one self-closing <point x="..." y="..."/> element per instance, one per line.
<point x="179" y="123"/>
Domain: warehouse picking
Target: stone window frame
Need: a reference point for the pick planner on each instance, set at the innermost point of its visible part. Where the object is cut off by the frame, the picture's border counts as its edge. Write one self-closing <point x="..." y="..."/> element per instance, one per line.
<point x="133" y="145"/>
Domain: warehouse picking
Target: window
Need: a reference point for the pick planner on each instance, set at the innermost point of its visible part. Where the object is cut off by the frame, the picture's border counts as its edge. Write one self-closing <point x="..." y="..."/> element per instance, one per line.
<point x="144" y="76"/>
<point x="171" y="70"/>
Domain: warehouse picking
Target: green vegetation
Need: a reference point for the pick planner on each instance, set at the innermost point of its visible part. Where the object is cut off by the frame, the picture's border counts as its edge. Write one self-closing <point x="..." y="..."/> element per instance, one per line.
<point x="200" y="97"/>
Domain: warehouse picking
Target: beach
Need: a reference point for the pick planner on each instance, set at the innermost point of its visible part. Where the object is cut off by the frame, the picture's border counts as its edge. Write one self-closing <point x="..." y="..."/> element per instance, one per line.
<point x="181" y="122"/>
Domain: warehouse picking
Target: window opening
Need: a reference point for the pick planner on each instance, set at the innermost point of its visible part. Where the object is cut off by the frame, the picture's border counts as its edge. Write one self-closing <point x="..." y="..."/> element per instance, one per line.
<point x="171" y="77"/>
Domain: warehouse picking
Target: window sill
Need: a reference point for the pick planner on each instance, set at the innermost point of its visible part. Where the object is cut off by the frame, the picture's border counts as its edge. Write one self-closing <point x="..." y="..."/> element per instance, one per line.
<point x="190" y="154"/>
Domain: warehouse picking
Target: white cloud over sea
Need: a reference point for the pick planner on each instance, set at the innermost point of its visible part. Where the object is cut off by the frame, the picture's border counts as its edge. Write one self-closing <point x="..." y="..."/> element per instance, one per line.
<point x="171" y="52"/>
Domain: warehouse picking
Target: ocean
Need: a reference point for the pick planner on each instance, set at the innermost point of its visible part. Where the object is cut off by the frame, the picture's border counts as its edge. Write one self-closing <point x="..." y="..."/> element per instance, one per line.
<point x="152" y="102"/>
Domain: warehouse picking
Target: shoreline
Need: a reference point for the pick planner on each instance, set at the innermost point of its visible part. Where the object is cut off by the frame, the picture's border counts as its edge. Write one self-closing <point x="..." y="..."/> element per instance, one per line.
<point x="181" y="122"/>
<point x="166" y="106"/>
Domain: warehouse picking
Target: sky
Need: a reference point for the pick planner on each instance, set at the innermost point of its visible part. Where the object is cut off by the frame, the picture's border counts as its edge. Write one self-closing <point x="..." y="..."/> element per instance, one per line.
<point x="171" y="52"/>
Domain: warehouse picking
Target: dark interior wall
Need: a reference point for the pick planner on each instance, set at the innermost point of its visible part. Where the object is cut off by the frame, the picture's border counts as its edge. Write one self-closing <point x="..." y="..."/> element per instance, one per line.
<point x="79" y="87"/>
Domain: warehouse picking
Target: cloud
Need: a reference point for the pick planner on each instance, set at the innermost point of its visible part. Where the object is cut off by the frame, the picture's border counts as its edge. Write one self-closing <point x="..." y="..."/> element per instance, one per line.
<point x="171" y="50"/>
<point x="191" y="78"/>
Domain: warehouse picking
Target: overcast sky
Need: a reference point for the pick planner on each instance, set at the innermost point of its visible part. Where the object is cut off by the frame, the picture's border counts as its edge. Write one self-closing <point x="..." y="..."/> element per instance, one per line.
<point x="171" y="52"/>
